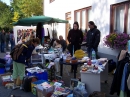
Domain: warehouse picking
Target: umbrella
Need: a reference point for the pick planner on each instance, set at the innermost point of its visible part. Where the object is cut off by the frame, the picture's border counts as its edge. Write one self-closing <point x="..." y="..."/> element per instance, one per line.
<point x="36" y="19"/>
<point x="56" y="20"/>
<point x="23" y="24"/>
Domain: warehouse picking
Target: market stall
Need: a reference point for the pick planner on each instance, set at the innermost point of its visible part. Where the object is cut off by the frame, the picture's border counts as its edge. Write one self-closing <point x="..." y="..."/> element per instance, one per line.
<point x="44" y="81"/>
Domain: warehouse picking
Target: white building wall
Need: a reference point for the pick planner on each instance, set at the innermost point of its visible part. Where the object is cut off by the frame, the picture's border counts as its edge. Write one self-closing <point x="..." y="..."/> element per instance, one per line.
<point x="100" y="14"/>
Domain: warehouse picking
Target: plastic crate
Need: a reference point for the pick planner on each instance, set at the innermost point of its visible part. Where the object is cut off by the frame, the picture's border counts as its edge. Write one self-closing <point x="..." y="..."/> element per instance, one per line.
<point x="40" y="76"/>
<point x="2" y="70"/>
<point x="33" y="89"/>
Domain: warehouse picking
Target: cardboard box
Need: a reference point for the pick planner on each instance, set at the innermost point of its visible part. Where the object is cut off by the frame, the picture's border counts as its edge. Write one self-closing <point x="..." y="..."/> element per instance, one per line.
<point x="33" y="85"/>
<point x="6" y="78"/>
<point x="40" y="93"/>
<point x="45" y="90"/>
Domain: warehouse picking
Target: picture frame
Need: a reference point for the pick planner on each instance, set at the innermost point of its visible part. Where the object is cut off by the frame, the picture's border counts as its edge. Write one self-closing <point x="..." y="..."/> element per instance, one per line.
<point x="73" y="83"/>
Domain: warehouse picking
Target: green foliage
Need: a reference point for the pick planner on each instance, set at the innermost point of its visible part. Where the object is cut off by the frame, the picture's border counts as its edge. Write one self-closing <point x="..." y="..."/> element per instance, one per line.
<point x="5" y="16"/>
<point x="27" y="8"/>
<point x="19" y="9"/>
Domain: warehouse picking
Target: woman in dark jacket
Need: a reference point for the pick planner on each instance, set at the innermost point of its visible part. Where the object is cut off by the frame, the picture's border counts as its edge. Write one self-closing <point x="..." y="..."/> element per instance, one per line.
<point x="19" y="63"/>
<point x="75" y="38"/>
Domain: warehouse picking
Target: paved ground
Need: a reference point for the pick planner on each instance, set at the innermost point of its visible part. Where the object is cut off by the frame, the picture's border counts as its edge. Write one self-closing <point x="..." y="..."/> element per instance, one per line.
<point x="7" y="92"/>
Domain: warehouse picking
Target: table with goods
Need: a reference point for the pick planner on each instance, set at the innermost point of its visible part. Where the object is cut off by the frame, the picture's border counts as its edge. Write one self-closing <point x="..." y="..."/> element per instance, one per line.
<point x="92" y="73"/>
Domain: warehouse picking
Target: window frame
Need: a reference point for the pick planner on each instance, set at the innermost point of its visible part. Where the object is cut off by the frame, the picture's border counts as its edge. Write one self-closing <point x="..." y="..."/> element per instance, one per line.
<point x="51" y="1"/>
<point x="67" y="17"/>
<point x="81" y="10"/>
<point x="126" y="4"/>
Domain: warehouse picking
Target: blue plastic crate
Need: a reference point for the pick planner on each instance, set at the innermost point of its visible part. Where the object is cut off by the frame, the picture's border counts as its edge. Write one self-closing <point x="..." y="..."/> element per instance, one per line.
<point x="39" y="82"/>
<point x="40" y="76"/>
<point x="2" y="70"/>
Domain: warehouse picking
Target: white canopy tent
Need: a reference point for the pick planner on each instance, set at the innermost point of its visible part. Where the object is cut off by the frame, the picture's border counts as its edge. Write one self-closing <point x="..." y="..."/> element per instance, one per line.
<point x="16" y="28"/>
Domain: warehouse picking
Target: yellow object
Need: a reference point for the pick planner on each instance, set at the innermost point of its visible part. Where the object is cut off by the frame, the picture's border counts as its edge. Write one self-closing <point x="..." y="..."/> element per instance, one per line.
<point x="79" y="54"/>
<point x="24" y="45"/>
<point x="32" y="85"/>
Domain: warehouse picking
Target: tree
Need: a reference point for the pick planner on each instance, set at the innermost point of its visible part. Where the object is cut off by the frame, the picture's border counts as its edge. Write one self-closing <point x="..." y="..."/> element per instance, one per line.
<point x="32" y="7"/>
<point x="15" y="7"/>
<point x="15" y="17"/>
<point x="27" y="8"/>
<point x="3" y="6"/>
<point x="5" y="15"/>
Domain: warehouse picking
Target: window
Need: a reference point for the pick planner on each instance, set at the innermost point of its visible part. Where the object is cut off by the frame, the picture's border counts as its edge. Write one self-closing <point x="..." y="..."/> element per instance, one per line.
<point x="82" y="17"/>
<point x="52" y="1"/>
<point x="120" y="18"/>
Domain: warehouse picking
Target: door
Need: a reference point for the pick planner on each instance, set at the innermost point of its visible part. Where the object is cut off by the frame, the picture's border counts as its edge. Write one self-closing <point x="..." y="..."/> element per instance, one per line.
<point x="68" y="25"/>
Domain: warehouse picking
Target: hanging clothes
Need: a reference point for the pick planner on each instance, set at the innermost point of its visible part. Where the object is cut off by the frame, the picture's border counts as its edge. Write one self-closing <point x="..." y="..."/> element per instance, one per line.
<point x="48" y="33"/>
<point x="124" y="92"/>
<point x="128" y="80"/>
<point x="122" y="55"/>
<point x="42" y="42"/>
<point x="116" y="83"/>
<point x="39" y="32"/>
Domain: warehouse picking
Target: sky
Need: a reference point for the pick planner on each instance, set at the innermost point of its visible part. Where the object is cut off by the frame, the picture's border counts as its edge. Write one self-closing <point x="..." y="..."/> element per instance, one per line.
<point x="6" y="1"/>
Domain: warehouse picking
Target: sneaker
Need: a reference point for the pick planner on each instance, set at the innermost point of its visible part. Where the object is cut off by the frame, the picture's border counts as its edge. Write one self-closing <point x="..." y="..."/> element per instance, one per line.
<point x="15" y="87"/>
<point x="21" y="88"/>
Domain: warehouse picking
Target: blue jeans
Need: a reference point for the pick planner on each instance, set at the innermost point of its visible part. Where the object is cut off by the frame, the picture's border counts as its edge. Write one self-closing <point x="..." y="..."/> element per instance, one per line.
<point x="12" y="42"/>
<point x="89" y="51"/>
<point x="2" y="46"/>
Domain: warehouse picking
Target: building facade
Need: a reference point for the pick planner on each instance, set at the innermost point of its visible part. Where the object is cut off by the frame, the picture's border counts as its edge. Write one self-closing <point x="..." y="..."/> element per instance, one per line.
<point x="108" y="15"/>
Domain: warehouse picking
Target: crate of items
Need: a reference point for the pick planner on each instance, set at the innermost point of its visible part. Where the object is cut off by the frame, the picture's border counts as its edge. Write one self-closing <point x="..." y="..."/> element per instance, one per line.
<point x="33" y="85"/>
<point x="6" y="78"/>
<point x="44" y="90"/>
<point x="38" y="72"/>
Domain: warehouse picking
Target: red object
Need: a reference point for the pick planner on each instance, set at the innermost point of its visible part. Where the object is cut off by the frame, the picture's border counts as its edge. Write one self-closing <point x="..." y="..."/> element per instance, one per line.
<point x="96" y="68"/>
<point x="89" y="62"/>
<point x="54" y="81"/>
<point x="6" y="82"/>
<point x="49" y="95"/>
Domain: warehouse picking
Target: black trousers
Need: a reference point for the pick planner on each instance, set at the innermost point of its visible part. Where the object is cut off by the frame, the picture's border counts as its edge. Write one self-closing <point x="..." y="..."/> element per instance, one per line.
<point x="75" y="46"/>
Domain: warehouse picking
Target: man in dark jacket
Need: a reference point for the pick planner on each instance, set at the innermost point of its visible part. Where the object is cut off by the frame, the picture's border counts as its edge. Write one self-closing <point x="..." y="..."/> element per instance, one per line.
<point x="7" y="40"/>
<point x="93" y="39"/>
<point x="75" y="38"/>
